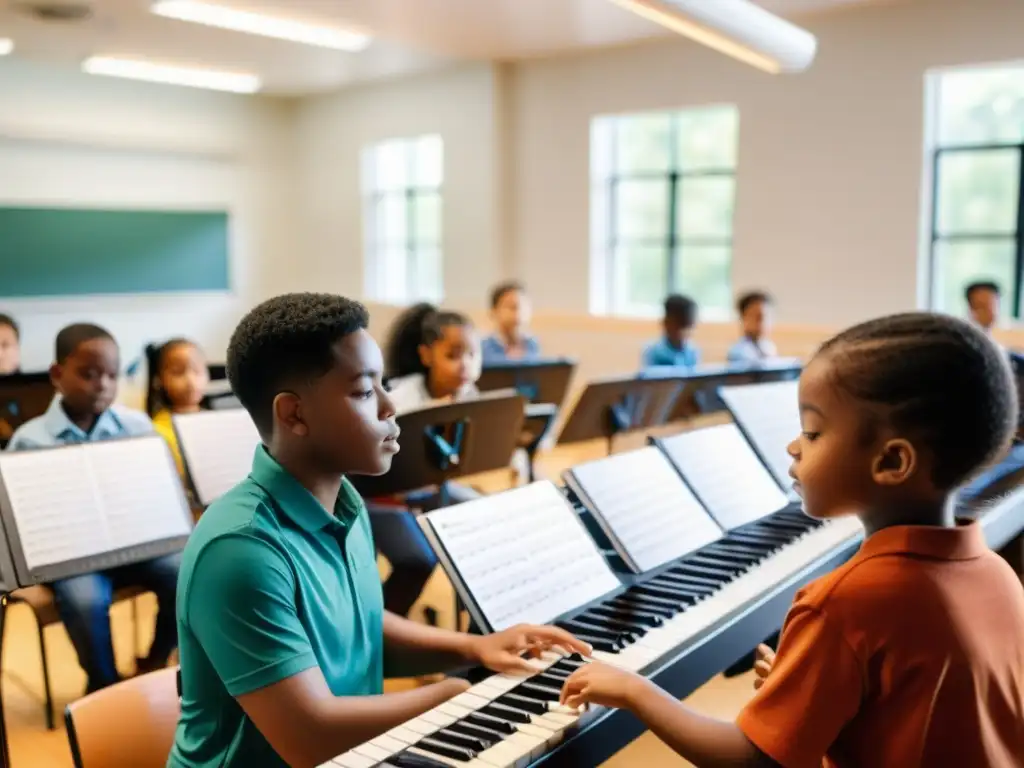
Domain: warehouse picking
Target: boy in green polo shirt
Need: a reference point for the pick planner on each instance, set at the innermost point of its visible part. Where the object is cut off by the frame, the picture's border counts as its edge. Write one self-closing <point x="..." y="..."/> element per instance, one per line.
<point x="283" y="638"/>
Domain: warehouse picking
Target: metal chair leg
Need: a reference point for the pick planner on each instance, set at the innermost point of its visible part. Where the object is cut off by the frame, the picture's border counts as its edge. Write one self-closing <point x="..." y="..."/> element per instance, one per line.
<point x="50" y="725"/>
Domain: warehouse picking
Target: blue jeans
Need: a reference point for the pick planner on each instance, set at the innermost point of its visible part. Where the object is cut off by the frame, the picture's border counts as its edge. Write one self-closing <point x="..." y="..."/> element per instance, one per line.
<point x="84" y="606"/>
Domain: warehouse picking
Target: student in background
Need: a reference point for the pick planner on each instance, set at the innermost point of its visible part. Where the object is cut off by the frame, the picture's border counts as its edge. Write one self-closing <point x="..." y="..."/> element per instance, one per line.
<point x="511" y="311"/>
<point x="85" y="375"/>
<point x="675" y="347"/>
<point x="178" y="378"/>
<point x="755" y="310"/>
<point x="910" y="653"/>
<point x="983" y="304"/>
<point x="10" y="345"/>
<point x="284" y="641"/>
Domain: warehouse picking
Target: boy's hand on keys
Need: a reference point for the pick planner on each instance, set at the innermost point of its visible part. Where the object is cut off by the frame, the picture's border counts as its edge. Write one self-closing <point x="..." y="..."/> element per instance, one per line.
<point x="763" y="665"/>
<point x="602" y="684"/>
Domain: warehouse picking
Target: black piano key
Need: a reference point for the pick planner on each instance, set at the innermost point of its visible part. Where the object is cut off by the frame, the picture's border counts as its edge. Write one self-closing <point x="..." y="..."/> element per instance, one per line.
<point x="714" y="561"/>
<point x="761" y="536"/>
<point x="431" y="744"/>
<point x="599" y="643"/>
<point x="604" y="626"/>
<point x="783" y="526"/>
<point x="679" y="597"/>
<point x="486" y="736"/>
<point x="577" y="627"/>
<point x="528" y="704"/>
<point x="651" y="606"/>
<point x="556" y="677"/>
<point x="639" y="592"/>
<point x="409" y="760"/>
<point x="697" y="579"/>
<point x="742" y="559"/>
<point x="759" y="553"/>
<point x="493" y="723"/>
<point x="456" y="739"/>
<point x="511" y="714"/>
<point x="702" y="570"/>
<point x="533" y="690"/>
<point x="643" y="618"/>
<point x="679" y="585"/>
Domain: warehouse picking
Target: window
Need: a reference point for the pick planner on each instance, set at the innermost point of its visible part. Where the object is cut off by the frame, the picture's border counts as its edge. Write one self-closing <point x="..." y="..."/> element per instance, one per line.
<point x="402" y="220"/>
<point x="662" y="193"/>
<point x="977" y="152"/>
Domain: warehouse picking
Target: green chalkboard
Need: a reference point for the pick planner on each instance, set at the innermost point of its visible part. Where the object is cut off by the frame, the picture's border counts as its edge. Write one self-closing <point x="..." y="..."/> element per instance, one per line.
<point x="75" y="252"/>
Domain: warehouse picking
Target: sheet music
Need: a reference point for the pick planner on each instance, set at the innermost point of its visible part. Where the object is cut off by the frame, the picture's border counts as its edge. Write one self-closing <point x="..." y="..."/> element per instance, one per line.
<point x="646" y="506"/>
<point x="725" y="473"/>
<point x="92" y="499"/>
<point x="769" y="414"/>
<point x="218" y="447"/>
<point x="523" y="554"/>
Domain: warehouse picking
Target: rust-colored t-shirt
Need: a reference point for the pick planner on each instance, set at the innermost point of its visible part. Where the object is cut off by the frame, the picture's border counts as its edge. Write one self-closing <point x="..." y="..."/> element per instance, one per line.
<point x="911" y="654"/>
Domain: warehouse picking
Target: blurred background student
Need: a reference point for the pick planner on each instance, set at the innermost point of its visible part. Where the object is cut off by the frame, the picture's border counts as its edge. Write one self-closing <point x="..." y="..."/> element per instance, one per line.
<point x="10" y="345"/>
<point x="675" y="348"/>
<point x="178" y="378"/>
<point x="511" y="312"/>
<point x="755" y="311"/>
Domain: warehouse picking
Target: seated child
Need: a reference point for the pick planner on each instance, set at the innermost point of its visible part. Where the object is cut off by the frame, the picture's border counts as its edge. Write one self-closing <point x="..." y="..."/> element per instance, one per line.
<point x="85" y="375"/>
<point x="178" y="378"/>
<point x="10" y="345"/>
<point x="510" y="310"/>
<point x="755" y="309"/>
<point x="983" y="304"/>
<point x="910" y="653"/>
<point x="285" y="642"/>
<point x="675" y="347"/>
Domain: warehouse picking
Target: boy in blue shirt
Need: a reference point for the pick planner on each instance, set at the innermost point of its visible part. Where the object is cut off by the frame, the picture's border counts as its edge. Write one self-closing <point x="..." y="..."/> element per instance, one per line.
<point x="675" y="347"/>
<point x="285" y="642"/>
<point x="85" y="375"/>
<point x="510" y="310"/>
<point x="755" y="310"/>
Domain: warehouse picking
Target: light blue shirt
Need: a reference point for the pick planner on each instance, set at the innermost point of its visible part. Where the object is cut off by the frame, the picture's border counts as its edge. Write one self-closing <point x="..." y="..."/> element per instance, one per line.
<point x="746" y="350"/>
<point x="662" y="353"/>
<point x="494" y="350"/>
<point x="55" y="428"/>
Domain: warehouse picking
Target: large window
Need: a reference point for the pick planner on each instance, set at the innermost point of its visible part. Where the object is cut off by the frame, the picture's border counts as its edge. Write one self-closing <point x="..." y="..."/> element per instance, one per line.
<point x="402" y="221"/>
<point x="977" y="143"/>
<point x="662" y="192"/>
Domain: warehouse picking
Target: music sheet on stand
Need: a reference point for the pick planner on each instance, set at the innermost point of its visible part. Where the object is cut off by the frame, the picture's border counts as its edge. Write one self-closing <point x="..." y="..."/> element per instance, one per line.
<point x="218" y="447"/>
<point x="725" y="473"/>
<point x="770" y="416"/>
<point x="89" y="500"/>
<point x="523" y="555"/>
<point x="647" y="507"/>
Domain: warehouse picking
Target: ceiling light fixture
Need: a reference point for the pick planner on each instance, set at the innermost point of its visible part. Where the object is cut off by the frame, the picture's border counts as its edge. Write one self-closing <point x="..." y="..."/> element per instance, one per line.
<point x="137" y="69"/>
<point x="256" y="24"/>
<point x="6" y="45"/>
<point x="737" y="28"/>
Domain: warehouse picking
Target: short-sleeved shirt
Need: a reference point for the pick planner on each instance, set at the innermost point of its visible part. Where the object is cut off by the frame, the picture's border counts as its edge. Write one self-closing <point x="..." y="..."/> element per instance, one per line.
<point x="664" y="353"/>
<point x="272" y="584"/>
<point x="494" y="350"/>
<point x="747" y="350"/>
<point x="55" y="428"/>
<point x="909" y="655"/>
<point x="410" y="392"/>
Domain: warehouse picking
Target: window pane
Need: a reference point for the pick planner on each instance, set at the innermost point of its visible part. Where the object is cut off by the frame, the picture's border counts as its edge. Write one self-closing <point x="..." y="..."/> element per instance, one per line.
<point x="704" y="206"/>
<point x="706" y="139"/>
<point x="426" y="211"/>
<point x="428" y="154"/>
<point x="959" y="263"/>
<point x="981" y="106"/>
<point x="425" y="270"/>
<point x="391" y="169"/>
<point x="392" y="281"/>
<point x="641" y="209"/>
<point x="704" y="273"/>
<point x="389" y="220"/>
<point x="642" y="143"/>
<point x="640" y="278"/>
<point x="978" y="191"/>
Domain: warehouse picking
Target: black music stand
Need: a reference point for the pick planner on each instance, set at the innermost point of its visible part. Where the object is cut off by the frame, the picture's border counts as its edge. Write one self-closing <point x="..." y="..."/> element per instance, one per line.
<point x="544" y="383"/>
<point x="612" y="406"/>
<point x="16" y="571"/>
<point x="23" y="396"/>
<point x="699" y="396"/>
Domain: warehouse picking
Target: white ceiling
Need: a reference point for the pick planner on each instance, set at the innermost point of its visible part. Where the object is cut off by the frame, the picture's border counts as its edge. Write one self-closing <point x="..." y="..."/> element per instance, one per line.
<point x="409" y="35"/>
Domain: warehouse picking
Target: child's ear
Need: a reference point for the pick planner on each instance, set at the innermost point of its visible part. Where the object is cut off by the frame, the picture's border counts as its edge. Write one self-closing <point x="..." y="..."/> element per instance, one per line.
<point x="55" y="371"/>
<point x="287" y="408"/>
<point x="426" y="355"/>
<point x="895" y="463"/>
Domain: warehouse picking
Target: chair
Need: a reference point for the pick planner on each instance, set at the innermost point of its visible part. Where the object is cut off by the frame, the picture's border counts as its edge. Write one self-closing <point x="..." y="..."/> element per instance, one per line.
<point x="43" y="604"/>
<point x="130" y="723"/>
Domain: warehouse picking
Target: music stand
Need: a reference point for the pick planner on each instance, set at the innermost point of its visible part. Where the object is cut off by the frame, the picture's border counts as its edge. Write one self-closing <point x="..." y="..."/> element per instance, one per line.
<point x="612" y="406"/>
<point x="23" y="396"/>
<point x="216" y="448"/>
<point x="700" y="389"/>
<point x="129" y="507"/>
<point x="445" y="442"/>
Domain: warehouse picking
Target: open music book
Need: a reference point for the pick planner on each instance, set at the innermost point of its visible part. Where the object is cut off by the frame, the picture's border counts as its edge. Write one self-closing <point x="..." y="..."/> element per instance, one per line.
<point x="217" y="448"/>
<point x="644" y="507"/>
<point x="522" y="556"/>
<point x="80" y="508"/>
<point x="725" y="474"/>
<point x="769" y="416"/>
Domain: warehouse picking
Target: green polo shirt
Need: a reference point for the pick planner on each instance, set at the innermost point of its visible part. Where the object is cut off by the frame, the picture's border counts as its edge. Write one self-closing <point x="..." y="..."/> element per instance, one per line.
<point x="271" y="584"/>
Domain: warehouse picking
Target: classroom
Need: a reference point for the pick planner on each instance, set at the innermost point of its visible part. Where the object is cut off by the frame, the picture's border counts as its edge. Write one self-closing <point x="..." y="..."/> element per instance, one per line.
<point x="598" y="243"/>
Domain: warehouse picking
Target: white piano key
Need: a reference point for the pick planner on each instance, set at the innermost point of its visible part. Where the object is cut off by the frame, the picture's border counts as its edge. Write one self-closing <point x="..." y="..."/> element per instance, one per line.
<point x="390" y="744"/>
<point x="475" y="763"/>
<point x="436" y="717"/>
<point x="421" y="726"/>
<point x="351" y="760"/>
<point x="372" y="751"/>
<point x="405" y="735"/>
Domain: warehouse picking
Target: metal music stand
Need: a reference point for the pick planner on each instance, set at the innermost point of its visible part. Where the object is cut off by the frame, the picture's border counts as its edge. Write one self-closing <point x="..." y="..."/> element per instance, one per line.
<point x="23" y="396"/>
<point x="700" y="390"/>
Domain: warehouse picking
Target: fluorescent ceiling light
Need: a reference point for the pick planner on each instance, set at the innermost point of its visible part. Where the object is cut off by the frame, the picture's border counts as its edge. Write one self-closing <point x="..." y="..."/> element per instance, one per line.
<point x="137" y="69"/>
<point x="6" y="45"/>
<point x="737" y="28"/>
<point x="257" y="24"/>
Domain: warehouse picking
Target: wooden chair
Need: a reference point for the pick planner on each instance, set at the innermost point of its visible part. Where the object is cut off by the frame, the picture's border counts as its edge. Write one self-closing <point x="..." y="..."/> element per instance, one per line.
<point x="43" y="604"/>
<point x="130" y="723"/>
